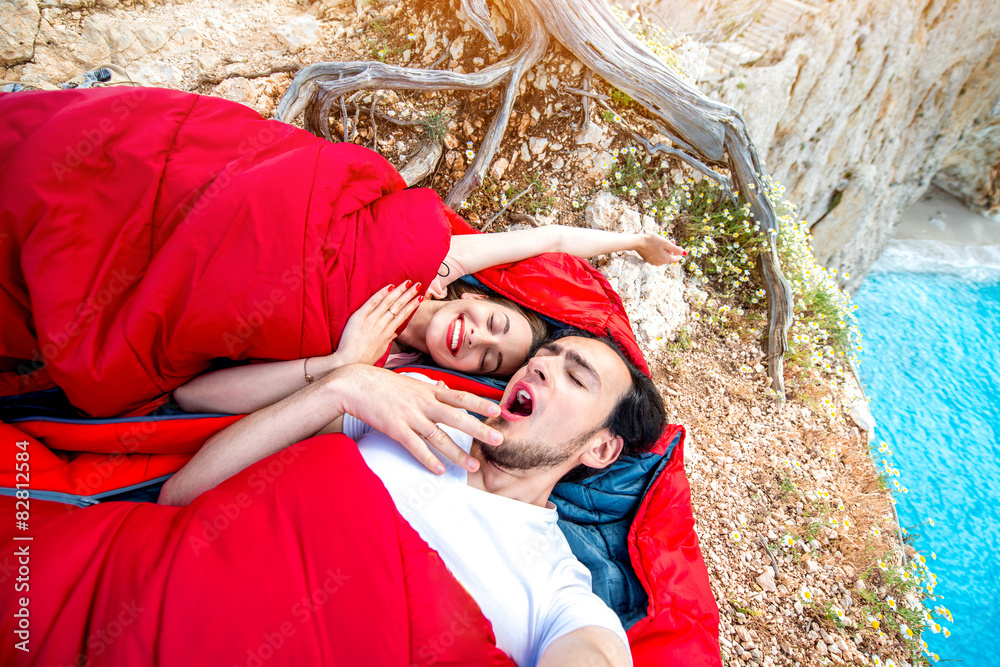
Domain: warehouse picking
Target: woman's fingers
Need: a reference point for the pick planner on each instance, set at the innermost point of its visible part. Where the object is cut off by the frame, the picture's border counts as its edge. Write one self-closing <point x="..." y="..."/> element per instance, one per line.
<point x="466" y="401"/>
<point x="408" y="308"/>
<point x="447" y="446"/>
<point x="415" y="445"/>
<point x="657" y="250"/>
<point x="463" y="421"/>
<point x="399" y="298"/>
<point x="376" y="300"/>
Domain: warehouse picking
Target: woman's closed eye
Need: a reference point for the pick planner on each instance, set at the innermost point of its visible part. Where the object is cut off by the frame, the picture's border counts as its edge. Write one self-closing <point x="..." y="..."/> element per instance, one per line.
<point x="496" y="367"/>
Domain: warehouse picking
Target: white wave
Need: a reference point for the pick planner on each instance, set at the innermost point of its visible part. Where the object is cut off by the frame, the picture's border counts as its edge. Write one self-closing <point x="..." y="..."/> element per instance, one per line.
<point x="976" y="263"/>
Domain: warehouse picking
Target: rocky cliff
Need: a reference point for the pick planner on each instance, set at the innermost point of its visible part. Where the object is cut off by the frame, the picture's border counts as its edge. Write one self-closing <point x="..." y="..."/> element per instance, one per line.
<point x="855" y="105"/>
<point x="971" y="172"/>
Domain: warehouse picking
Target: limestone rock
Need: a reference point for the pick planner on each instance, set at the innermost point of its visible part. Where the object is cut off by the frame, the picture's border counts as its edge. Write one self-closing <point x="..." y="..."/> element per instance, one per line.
<point x="237" y="89"/>
<point x="608" y="212"/>
<point x="153" y="39"/>
<point x="855" y="106"/>
<point x="331" y="9"/>
<point x="62" y="54"/>
<point x="595" y="165"/>
<point x="537" y="145"/>
<point x="499" y="168"/>
<point x="161" y="74"/>
<point x="298" y="33"/>
<point x="592" y="135"/>
<point x="19" y="23"/>
<point x="971" y="172"/>
<point x="457" y="48"/>
<point x="766" y="580"/>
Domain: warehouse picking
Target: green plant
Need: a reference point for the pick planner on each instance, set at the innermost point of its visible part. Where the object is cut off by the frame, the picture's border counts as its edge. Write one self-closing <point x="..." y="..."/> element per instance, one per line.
<point x="787" y="485"/>
<point x="620" y="99"/>
<point x="722" y="239"/>
<point x="631" y="175"/>
<point x="435" y="125"/>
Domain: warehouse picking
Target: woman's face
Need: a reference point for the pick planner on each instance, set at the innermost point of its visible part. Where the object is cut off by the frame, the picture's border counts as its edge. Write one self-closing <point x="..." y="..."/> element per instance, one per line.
<point x="478" y="336"/>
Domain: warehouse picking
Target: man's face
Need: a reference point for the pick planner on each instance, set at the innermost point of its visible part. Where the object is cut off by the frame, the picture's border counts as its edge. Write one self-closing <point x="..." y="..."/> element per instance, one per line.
<point x="556" y="403"/>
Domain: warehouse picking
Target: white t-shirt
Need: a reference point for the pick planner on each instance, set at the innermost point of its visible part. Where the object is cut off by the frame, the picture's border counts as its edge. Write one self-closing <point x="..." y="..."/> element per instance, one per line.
<point x="509" y="555"/>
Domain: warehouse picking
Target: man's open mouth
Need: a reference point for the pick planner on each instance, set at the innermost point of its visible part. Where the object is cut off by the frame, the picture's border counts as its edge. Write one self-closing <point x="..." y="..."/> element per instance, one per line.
<point x="455" y="334"/>
<point x="521" y="403"/>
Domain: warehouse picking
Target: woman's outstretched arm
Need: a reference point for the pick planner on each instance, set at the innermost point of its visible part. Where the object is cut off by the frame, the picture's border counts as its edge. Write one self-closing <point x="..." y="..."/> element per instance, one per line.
<point x="470" y="253"/>
<point x="244" y="389"/>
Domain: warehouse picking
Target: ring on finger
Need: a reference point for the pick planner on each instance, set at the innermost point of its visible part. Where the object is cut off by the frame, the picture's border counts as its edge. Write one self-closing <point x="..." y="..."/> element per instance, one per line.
<point x="429" y="435"/>
<point x="394" y="313"/>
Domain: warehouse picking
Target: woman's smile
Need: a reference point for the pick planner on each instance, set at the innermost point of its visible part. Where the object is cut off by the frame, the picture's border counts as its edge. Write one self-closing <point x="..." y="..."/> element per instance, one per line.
<point x="456" y="334"/>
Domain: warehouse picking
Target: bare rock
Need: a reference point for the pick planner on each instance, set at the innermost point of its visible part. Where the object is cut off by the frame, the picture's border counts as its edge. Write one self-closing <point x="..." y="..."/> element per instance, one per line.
<point x="19" y="23"/>
<point x="608" y="212"/>
<point x="124" y="44"/>
<point x="537" y="145"/>
<point x="153" y="39"/>
<point x="237" y="89"/>
<point x="766" y="580"/>
<point x="457" y="48"/>
<point x="499" y="168"/>
<point x="298" y="33"/>
<point x="161" y="74"/>
<point x="653" y="297"/>
<point x="525" y="153"/>
<point x="62" y="54"/>
<point x="595" y="165"/>
<point x="331" y="9"/>
<point x="592" y="135"/>
<point x="208" y="60"/>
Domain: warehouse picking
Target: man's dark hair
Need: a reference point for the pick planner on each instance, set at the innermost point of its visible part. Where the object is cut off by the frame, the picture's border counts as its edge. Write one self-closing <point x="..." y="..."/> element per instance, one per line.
<point x="639" y="417"/>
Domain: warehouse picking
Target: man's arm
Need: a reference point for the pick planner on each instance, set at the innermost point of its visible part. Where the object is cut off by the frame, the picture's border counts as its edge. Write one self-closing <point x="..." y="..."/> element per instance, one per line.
<point x="592" y="646"/>
<point x="403" y="408"/>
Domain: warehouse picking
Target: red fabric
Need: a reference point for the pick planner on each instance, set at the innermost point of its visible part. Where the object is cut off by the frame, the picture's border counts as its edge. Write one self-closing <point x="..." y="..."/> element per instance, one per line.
<point x="147" y="232"/>
<point x="90" y="458"/>
<point x="301" y="559"/>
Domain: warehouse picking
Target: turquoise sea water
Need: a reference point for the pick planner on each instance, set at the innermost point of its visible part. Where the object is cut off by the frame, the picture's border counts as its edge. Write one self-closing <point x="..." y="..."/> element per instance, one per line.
<point x="931" y="365"/>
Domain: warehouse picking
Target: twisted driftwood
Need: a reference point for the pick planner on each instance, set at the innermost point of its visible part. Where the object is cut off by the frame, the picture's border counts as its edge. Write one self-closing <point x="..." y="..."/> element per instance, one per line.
<point x="704" y="132"/>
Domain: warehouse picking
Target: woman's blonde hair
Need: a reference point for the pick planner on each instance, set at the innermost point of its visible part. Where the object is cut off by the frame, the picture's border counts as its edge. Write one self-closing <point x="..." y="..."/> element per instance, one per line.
<point x="539" y="327"/>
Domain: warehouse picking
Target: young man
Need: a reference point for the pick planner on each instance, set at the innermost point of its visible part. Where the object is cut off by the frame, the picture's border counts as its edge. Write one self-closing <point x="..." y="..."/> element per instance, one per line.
<point x="574" y="407"/>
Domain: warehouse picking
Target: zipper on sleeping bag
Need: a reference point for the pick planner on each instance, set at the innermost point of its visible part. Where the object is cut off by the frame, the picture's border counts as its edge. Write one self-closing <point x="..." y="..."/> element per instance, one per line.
<point x="87" y="501"/>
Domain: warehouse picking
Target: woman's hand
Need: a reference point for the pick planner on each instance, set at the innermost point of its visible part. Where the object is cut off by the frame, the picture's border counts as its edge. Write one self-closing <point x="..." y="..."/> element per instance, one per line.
<point x="409" y="411"/>
<point x="372" y="328"/>
<point x="656" y="250"/>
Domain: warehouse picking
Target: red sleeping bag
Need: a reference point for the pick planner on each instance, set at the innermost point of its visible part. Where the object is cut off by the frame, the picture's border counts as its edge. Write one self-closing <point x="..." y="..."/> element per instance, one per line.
<point x="147" y="232"/>
<point x="301" y="559"/>
<point x="682" y="622"/>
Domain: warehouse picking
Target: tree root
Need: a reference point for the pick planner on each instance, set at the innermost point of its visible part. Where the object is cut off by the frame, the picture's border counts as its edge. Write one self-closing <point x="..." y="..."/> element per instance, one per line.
<point x="705" y="133"/>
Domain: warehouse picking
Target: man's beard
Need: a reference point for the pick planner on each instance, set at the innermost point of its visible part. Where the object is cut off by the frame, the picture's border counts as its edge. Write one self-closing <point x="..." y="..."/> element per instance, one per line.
<point x="529" y="454"/>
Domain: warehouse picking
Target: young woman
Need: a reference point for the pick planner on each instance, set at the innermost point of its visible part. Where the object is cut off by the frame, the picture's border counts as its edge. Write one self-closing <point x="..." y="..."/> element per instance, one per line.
<point x="461" y="328"/>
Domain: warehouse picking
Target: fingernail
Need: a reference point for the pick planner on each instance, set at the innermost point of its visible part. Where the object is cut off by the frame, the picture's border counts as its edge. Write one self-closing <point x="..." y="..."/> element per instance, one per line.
<point x="391" y="287"/>
<point x="420" y="299"/>
<point x="496" y="437"/>
<point x="418" y="286"/>
<point x="439" y="470"/>
<point x="684" y="253"/>
<point x="472" y="465"/>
